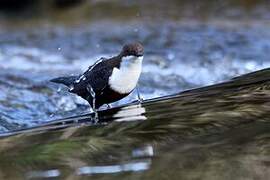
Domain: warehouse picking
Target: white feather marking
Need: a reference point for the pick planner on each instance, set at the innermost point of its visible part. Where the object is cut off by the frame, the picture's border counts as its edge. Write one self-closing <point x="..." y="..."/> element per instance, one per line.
<point x="82" y="77"/>
<point x="125" y="79"/>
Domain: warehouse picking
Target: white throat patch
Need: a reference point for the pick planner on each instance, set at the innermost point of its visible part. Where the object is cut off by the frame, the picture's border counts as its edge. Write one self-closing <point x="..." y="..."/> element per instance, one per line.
<point x="125" y="79"/>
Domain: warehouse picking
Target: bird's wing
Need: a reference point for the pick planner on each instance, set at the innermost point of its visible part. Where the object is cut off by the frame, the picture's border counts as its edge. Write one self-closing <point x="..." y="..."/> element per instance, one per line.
<point x="102" y="60"/>
<point x="97" y="76"/>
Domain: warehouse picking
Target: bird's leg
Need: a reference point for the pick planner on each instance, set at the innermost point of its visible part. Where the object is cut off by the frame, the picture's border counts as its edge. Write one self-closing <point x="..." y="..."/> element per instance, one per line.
<point x="93" y="94"/>
<point x="140" y="99"/>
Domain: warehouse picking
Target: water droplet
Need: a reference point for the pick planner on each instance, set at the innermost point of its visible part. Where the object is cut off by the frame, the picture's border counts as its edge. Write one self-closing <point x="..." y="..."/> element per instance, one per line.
<point x="84" y="78"/>
<point x="171" y="56"/>
<point x="59" y="89"/>
<point x="93" y="94"/>
<point x="59" y="49"/>
<point x="51" y="115"/>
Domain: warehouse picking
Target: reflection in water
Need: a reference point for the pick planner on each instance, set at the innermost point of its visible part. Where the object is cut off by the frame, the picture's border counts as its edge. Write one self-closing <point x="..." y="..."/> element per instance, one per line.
<point x="146" y="151"/>
<point x="131" y="113"/>
<point x="215" y="132"/>
<point x="132" y="166"/>
<point x="44" y="174"/>
<point x="128" y="113"/>
<point x="89" y="170"/>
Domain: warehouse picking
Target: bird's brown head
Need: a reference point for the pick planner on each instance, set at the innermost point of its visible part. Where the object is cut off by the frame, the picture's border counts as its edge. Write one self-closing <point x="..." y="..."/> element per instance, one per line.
<point x="132" y="49"/>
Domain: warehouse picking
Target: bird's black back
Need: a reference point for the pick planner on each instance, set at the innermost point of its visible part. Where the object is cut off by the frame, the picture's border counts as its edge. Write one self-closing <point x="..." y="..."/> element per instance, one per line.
<point x="97" y="76"/>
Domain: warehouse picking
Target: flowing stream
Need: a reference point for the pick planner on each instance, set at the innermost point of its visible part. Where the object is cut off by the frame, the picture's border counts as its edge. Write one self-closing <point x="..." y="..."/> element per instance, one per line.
<point x="182" y="51"/>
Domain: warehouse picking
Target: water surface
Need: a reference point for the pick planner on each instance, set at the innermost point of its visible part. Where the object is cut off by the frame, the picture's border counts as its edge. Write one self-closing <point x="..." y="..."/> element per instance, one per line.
<point x="186" y="46"/>
<point x="216" y="132"/>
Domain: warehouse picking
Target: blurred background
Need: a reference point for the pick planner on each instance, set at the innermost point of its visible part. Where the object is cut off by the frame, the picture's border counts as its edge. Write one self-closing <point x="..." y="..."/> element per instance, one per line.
<point x="188" y="44"/>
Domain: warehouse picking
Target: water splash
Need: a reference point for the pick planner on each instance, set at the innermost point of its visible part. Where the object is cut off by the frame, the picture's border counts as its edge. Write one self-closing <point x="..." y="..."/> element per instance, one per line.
<point x="93" y="94"/>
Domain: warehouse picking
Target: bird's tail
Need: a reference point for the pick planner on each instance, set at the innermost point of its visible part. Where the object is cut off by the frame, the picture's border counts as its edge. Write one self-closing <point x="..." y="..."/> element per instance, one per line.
<point x="65" y="80"/>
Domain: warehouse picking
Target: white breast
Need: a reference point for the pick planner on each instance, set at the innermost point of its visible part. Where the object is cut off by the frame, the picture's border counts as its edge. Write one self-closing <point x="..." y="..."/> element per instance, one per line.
<point x="125" y="79"/>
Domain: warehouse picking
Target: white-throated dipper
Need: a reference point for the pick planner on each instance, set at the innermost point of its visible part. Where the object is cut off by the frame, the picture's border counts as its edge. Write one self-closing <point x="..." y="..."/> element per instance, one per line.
<point x="108" y="80"/>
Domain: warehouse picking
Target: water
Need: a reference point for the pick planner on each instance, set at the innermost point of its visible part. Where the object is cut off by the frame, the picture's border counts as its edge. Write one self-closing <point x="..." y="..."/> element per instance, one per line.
<point x="196" y="55"/>
<point x="186" y="46"/>
<point x="217" y="132"/>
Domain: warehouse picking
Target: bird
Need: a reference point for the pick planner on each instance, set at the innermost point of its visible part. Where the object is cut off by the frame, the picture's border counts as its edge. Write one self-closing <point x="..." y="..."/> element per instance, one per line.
<point x="109" y="79"/>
